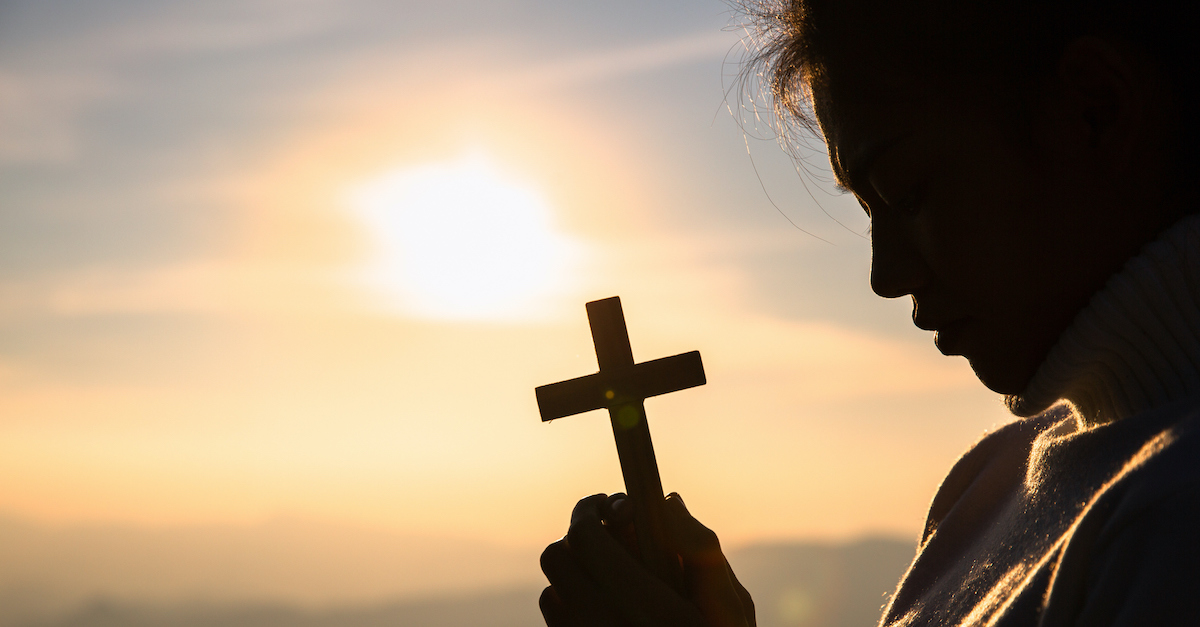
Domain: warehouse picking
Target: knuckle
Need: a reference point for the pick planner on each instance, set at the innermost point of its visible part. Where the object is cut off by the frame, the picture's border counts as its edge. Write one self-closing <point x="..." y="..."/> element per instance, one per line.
<point x="548" y="599"/>
<point x="553" y="611"/>
<point x="702" y="547"/>
<point x="553" y="556"/>
<point x="707" y="540"/>
<point x="587" y="508"/>
<point x="590" y="502"/>
<point x="614" y="497"/>
<point x="578" y="536"/>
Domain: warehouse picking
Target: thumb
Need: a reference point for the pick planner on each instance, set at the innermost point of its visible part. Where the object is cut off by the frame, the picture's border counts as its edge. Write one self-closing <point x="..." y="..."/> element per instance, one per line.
<point x="710" y="582"/>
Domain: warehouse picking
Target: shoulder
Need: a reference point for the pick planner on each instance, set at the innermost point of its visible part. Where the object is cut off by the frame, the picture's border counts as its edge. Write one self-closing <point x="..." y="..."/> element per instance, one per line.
<point x="1007" y="447"/>
<point x="1147" y="573"/>
<point x="1163" y="475"/>
<point x="1133" y="558"/>
<point x="1138" y="553"/>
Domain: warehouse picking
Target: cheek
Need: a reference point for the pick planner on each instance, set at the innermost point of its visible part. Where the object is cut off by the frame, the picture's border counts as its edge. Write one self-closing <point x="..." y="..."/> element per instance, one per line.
<point x="1003" y="263"/>
<point x="986" y="226"/>
<point x="976" y="243"/>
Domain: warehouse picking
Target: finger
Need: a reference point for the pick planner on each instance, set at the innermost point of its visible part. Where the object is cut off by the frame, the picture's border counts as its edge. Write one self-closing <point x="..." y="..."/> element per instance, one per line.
<point x="587" y="514"/>
<point x="588" y="506"/>
<point x="581" y="601"/>
<point x="554" y="612"/>
<point x="636" y="595"/>
<point x="743" y="596"/>
<point x="696" y="544"/>
<point x="711" y="583"/>
<point x="595" y="549"/>
<point x="617" y="510"/>
<point x="590" y="538"/>
<point x="617" y="516"/>
<point x="742" y="593"/>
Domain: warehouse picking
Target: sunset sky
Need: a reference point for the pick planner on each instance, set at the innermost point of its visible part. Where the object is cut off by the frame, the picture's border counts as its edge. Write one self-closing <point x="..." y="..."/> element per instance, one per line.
<point x="264" y="258"/>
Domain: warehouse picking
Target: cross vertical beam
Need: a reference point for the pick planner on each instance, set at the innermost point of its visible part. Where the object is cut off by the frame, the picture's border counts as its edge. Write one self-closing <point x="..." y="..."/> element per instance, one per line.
<point x="631" y="432"/>
<point x="622" y="386"/>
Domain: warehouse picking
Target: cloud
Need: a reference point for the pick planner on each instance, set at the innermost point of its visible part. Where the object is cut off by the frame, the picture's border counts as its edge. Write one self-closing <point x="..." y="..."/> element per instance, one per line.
<point x="49" y="83"/>
<point x="37" y="114"/>
<point x="214" y="287"/>
<point x="625" y="61"/>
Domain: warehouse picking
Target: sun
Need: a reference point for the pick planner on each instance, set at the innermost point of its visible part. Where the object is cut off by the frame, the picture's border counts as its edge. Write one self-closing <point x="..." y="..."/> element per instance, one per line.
<point x="462" y="241"/>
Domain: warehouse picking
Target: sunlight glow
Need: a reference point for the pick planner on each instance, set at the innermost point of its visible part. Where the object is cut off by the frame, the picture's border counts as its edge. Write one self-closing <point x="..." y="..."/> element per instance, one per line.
<point x="460" y="241"/>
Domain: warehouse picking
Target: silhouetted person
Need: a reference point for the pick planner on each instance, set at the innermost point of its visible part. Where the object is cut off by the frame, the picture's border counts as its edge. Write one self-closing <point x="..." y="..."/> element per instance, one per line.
<point x="1030" y="172"/>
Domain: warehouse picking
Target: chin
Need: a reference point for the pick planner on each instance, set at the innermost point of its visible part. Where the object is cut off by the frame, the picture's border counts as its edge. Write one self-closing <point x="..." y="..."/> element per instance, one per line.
<point x="1002" y="375"/>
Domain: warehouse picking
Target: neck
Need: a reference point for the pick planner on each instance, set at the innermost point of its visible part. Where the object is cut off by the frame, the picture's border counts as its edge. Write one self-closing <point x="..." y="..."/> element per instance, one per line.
<point x="1136" y="345"/>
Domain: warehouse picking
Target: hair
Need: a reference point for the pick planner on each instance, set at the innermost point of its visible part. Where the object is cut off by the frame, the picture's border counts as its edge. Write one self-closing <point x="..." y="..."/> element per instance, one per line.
<point x="1015" y="41"/>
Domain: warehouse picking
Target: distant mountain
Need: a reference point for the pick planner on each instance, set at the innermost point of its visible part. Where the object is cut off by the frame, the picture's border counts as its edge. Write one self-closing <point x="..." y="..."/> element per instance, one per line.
<point x="511" y="608"/>
<point x="48" y="570"/>
<point x="822" y="585"/>
<point x="794" y="585"/>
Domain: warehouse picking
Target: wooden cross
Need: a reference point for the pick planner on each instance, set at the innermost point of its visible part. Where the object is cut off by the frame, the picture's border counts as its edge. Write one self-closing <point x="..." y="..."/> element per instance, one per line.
<point x="621" y="386"/>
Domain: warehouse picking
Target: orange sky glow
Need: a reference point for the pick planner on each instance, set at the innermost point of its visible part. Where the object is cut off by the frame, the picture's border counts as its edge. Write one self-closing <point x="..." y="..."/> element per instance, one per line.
<point x="316" y="273"/>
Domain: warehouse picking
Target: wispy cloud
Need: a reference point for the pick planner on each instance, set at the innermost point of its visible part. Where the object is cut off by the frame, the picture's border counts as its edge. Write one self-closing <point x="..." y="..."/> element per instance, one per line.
<point x="214" y="287"/>
<point x="36" y="113"/>
<point x="625" y="61"/>
<point x="48" y="84"/>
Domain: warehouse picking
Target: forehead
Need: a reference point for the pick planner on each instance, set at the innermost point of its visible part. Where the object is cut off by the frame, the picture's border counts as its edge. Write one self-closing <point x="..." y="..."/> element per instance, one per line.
<point x="864" y="108"/>
<point x="860" y="118"/>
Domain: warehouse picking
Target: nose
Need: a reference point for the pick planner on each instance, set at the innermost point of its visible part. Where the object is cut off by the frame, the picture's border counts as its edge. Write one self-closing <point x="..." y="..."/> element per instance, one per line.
<point x="897" y="268"/>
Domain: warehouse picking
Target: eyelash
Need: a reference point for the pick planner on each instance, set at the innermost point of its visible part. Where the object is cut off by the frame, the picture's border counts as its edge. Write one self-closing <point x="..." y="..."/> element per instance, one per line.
<point x="910" y="204"/>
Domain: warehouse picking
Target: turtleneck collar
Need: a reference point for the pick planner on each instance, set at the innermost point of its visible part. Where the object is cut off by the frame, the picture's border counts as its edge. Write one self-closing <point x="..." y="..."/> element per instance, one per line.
<point x="1136" y="345"/>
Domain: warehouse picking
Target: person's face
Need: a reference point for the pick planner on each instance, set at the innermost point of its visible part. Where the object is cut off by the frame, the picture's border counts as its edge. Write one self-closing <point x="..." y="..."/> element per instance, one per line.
<point x="999" y="233"/>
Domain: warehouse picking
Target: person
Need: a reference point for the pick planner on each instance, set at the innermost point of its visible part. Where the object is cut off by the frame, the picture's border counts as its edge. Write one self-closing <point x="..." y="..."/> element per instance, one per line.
<point x="1028" y="168"/>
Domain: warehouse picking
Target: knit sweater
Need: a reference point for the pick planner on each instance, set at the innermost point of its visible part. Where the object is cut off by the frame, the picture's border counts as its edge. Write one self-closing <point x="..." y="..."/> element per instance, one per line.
<point x="1087" y="514"/>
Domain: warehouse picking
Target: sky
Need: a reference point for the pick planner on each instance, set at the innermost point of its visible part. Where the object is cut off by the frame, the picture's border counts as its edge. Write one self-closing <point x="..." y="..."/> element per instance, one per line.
<point x="309" y="259"/>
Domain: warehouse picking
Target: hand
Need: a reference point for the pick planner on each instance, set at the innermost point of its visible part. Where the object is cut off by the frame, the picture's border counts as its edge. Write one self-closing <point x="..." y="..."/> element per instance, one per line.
<point x="596" y="582"/>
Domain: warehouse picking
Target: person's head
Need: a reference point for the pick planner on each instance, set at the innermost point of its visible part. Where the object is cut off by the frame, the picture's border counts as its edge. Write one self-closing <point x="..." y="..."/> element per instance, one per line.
<point x="1012" y="154"/>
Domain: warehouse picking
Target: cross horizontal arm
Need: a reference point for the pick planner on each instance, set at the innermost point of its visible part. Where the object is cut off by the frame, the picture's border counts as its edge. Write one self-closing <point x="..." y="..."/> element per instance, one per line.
<point x="605" y="388"/>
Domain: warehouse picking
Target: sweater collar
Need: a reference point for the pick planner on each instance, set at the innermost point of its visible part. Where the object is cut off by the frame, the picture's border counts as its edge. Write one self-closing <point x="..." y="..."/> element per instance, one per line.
<point x="1136" y="345"/>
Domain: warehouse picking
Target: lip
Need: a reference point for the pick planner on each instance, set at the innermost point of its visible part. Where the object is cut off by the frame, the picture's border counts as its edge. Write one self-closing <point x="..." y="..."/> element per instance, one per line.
<point x="946" y="321"/>
<point x="948" y="331"/>
<point x="948" y="336"/>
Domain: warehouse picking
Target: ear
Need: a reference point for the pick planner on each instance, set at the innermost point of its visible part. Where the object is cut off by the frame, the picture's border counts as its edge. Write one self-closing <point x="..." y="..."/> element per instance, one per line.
<point x="1102" y="95"/>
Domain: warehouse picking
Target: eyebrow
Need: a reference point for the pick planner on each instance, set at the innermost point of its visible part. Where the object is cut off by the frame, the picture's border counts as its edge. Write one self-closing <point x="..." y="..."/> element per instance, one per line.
<point x="841" y="177"/>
